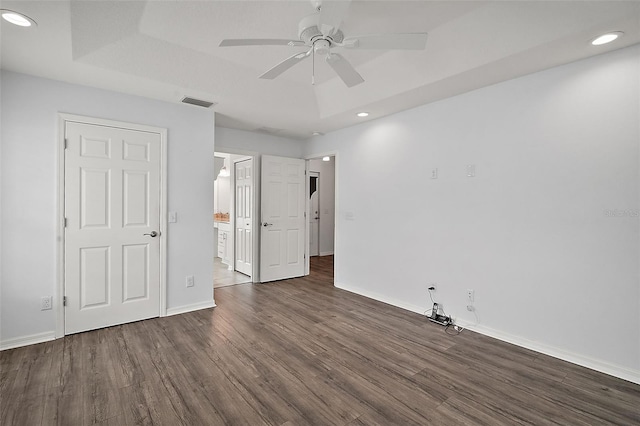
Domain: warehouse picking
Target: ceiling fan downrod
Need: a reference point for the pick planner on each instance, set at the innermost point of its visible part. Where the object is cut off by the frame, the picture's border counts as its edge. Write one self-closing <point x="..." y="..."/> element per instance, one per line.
<point x="313" y="70"/>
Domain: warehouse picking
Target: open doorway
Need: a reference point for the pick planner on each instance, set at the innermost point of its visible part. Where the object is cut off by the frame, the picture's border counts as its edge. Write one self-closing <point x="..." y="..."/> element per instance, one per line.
<point x="233" y="219"/>
<point x="321" y="214"/>
<point x="314" y="214"/>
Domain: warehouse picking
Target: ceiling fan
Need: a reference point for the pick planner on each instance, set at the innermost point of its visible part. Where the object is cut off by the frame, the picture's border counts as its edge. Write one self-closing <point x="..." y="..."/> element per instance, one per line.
<point x="320" y="32"/>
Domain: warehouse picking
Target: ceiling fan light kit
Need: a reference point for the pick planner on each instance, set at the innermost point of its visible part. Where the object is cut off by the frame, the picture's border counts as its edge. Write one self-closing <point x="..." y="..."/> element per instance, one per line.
<point x="320" y="32"/>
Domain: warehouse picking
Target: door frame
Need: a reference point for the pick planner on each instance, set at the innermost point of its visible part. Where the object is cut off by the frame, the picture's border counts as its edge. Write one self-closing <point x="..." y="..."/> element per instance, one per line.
<point x="63" y="118"/>
<point x="233" y="208"/>
<point x="255" y="156"/>
<point x="336" y="209"/>
<point x="308" y="207"/>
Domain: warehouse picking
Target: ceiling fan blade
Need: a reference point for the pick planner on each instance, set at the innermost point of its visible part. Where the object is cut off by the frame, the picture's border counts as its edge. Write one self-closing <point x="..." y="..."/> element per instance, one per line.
<point x="285" y="65"/>
<point x="344" y="69"/>
<point x="332" y="13"/>
<point x="410" y="41"/>
<point x="259" y="42"/>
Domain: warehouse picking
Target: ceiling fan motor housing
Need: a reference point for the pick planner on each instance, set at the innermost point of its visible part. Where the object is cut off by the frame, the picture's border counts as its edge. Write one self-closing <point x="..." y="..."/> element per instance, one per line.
<point x="309" y="33"/>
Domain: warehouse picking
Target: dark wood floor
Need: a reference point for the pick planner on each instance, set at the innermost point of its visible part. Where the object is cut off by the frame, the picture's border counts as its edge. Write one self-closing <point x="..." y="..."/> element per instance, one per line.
<point x="300" y="352"/>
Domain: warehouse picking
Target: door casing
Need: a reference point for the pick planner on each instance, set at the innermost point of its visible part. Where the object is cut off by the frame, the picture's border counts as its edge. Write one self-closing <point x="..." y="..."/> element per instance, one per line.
<point x="60" y="220"/>
<point x="255" y="156"/>
<point x="310" y="212"/>
<point x="234" y="203"/>
<point x="336" y="207"/>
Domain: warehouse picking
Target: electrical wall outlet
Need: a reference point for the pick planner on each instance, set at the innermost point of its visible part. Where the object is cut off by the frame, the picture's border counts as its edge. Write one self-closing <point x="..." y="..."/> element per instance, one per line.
<point x="190" y="281"/>
<point x="471" y="170"/>
<point x="470" y="295"/>
<point x="46" y="303"/>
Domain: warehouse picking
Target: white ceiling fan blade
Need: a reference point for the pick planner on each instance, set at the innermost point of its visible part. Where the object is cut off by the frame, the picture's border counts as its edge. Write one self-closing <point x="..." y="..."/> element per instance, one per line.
<point x="410" y="41"/>
<point x="332" y="13"/>
<point x="259" y="42"/>
<point x="285" y="65"/>
<point x="344" y="69"/>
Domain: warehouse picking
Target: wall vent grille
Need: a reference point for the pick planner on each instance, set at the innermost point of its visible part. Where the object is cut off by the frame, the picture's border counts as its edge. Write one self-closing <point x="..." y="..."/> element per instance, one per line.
<point x="197" y="102"/>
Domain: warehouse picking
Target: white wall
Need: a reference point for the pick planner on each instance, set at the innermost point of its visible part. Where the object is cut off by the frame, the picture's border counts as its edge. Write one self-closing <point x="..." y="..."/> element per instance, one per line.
<point x="239" y="141"/>
<point x="29" y="199"/>
<point x="326" y="203"/>
<point x="553" y="152"/>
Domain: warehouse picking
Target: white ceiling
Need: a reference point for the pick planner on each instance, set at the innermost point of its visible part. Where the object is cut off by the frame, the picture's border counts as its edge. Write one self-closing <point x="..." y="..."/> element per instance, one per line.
<point x="169" y="49"/>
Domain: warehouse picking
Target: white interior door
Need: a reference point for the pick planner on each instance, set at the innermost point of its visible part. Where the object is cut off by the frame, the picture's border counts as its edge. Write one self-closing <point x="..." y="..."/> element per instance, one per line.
<point x="282" y="242"/>
<point x="112" y="241"/>
<point x="314" y="214"/>
<point x="244" y="207"/>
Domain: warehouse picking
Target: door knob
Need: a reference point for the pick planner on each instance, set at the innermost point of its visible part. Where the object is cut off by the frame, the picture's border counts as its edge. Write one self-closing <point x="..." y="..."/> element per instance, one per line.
<point x="267" y="224"/>
<point x="152" y="234"/>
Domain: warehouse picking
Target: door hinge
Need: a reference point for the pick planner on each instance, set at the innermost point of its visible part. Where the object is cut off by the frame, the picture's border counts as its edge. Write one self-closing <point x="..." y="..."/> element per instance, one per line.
<point x="64" y="300"/>
<point x="65" y="222"/>
<point x="66" y="143"/>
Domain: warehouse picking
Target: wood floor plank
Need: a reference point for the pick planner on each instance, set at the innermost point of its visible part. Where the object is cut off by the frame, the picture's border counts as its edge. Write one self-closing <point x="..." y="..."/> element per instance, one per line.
<point x="148" y="403"/>
<point x="300" y="352"/>
<point x="7" y="391"/>
<point x="67" y="406"/>
<point x="466" y="411"/>
<point x="11" y="359"/>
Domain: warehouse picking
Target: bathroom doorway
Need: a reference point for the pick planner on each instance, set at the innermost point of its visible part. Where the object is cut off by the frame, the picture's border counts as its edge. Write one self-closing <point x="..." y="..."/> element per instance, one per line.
<point x="233" y="209"/>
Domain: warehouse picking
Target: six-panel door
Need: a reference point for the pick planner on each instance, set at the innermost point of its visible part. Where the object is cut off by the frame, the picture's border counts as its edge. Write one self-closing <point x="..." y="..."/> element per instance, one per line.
<point x="282" y="243"/>
<point x="112" y="194"/>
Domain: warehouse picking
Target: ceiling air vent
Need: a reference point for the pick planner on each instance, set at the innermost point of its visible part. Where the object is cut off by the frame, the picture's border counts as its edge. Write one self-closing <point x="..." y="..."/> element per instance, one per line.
<point x="197" y="102"/>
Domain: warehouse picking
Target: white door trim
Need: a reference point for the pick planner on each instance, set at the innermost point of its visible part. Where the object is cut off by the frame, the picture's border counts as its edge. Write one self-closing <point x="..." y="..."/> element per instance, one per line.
<point x="255" y="156"/>
<point x="233" y="209"/>
<point x="311" y="174"/>
<point x="336" y="207"/>
<point x="62" y="119"/>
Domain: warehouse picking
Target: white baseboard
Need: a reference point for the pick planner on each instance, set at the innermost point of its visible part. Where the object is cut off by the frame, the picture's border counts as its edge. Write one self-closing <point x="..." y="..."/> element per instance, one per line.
<point x="584" y="361"/>
<point x="326" y="253"/>
<point x="190" y="308"/>
<point x="32" y="339"/>
<point x="572" y="357"/>
<point x="380" y="298"/>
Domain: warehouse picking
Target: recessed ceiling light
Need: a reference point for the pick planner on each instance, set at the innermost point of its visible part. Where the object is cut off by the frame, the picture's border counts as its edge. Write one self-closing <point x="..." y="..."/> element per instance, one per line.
<point x="17" y="18"/>
<point x="326" y="158"/>
<point x="606" y="38"/>
<point x="362" y="114"/>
